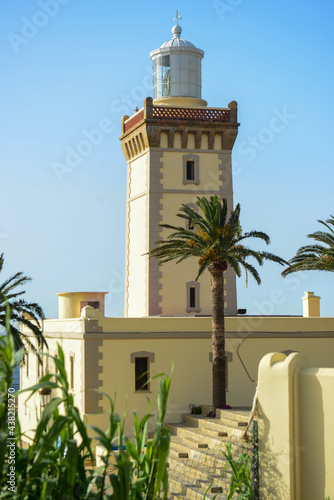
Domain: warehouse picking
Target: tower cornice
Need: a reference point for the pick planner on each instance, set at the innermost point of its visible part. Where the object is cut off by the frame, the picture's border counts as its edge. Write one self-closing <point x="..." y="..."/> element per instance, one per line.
<point x="143" y="129"/>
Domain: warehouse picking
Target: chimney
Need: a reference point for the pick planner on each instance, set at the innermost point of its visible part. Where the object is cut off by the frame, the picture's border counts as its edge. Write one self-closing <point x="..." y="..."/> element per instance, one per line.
<point x="311" y="305"/>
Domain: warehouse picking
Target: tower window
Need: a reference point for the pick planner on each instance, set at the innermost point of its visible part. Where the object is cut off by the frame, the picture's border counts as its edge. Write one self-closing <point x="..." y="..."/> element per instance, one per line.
<point x="193" y="303"/>
<point x="190" y="170"/>
<point x="142" y="374"/>
<point x="161" y="76"/>
<point x="192" y="297"/>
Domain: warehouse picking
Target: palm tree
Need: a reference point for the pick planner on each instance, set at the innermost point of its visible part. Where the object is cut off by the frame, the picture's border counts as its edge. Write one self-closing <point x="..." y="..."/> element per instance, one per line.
<point x="21" y="312"/>
<point x="217" y="241"/>
<point x="315" y="257"/>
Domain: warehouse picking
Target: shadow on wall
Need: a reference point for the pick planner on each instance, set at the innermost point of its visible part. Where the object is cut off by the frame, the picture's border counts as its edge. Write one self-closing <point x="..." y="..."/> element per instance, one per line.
<point x="312" y="439"/>
<point x="295" y="428"/>
<point x="271" y="480"/>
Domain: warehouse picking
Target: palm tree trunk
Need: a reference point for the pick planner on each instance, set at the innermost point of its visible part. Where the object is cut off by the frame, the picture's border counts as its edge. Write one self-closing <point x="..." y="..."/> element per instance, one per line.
<point x="218" y="338"/>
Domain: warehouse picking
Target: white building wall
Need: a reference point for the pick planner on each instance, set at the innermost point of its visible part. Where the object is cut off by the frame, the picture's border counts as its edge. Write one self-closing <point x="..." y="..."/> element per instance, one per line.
<point x="137" y="262"/>
<point x="30" y="409"/>
<point x="138" y="179"/>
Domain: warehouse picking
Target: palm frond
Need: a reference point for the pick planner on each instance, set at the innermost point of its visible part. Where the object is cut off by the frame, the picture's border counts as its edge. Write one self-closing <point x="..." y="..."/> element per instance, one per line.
<point x="14" y="281"/>
<point x="273" y="258"/>
<point x="201" y="269"/>
<point x="328" y="223"/>
<point x="24" y="313"/>
<point x="215" y="239"/>
<point x="315" y="257"/>
<point x="256" y="234"/>
<point x="323" y="237"/>
<point x="234" y="264"/>
<point x="251" y="270"/>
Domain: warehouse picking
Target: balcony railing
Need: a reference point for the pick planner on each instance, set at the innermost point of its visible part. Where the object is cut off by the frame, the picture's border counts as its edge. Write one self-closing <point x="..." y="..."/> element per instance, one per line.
<point x="208" y="115"/>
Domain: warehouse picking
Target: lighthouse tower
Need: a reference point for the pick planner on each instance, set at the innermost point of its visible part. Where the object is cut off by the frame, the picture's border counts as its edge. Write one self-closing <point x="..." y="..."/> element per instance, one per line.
<point x="176" y="149"/>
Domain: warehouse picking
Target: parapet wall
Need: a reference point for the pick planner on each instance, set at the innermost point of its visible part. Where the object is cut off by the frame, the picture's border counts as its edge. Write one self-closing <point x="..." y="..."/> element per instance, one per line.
<point x="296" y="437"/>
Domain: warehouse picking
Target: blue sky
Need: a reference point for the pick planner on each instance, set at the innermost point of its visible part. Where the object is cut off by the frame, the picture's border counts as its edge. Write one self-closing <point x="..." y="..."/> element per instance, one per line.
<point x="70" y="67"/>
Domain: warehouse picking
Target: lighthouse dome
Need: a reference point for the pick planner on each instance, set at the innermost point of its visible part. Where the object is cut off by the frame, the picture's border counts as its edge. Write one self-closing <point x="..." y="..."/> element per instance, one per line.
<point x="177" y="73"/>
<point x="177" y="41"/>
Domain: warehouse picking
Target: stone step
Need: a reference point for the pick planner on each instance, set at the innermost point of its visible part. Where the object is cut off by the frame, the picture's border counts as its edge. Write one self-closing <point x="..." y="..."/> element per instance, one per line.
<point x="180" y="487"/>
<point x="201" y="455"/>
<point x="195" y="472"/>
<point x="192" y="436"/>
<point x="236" y="410"/>
<point x="233" y="415"/>
<point x="196" y="419"/>
<point x="196" y="459"/>
<point x="212" y="438"/>
<point x="230" y="427"/>
<point x="196" y="434"/>
<point x="222" y="418"/>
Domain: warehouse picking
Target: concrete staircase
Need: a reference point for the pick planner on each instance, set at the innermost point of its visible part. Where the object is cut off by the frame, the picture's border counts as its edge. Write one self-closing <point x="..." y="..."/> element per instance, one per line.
<point x="196" y="459"/>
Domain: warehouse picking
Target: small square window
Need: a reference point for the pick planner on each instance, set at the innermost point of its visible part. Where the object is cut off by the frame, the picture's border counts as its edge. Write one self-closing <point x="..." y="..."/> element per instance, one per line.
<point x="142" y="374"/>
<point x="190" y="170"/>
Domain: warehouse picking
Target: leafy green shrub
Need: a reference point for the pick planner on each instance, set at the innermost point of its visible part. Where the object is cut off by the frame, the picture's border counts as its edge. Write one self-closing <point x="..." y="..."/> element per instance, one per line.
<point x="54" y="465"/>
<point x="241" y="480"/>
<point x="196" y="410"/>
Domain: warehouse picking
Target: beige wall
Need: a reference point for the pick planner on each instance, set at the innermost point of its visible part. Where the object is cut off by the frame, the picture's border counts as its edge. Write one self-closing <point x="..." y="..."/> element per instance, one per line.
<point x="174" y="278"/>
<point x="192" y="369"/>
<point x="69" y="304"/>
<point x="103" y="349"/>
<point x="190" y="377"/>
<point x="296" y="439"/>
<point x="172" y="170"/>
<point x="156" y="190"/>
<point x="238" y="326"/>
<point x="316" y="410"/>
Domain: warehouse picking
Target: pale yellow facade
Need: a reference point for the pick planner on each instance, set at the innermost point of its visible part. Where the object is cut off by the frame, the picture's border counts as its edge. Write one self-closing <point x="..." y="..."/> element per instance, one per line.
<point x="157" y="156"/>
<point x="103" y="351"/>
<point x="296" y="437"/>
<point x="311" y="305"/>
<point x="71" y="304"/>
